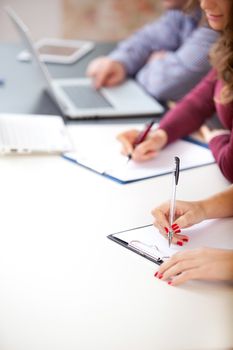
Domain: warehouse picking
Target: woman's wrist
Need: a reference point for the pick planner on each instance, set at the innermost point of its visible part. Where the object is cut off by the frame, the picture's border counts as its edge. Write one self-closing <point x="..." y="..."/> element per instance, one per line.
<point x="162" y="136"/>
<point x="205" y="211"/>
<point x="209" y="209"/>
<point x="218" y="205"/>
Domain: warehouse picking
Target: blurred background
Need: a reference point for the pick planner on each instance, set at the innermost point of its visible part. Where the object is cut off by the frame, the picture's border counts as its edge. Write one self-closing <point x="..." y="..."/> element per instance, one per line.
<point x="100" y="20"/>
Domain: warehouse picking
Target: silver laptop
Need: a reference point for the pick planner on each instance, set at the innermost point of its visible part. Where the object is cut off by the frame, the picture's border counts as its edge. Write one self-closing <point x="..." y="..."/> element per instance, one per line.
<point x="37" y="134"/>
<point x="78" y="99"/>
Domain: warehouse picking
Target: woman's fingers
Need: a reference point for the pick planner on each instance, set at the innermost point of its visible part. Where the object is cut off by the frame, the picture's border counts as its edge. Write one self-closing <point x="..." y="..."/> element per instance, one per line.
<point x="179" y="267"/>
<point x="161" y="222"/>
<point x="176" y="259"/>
<point x="177" y="238"/>
<point x="127" y="139"/>
<point x="161" y="217"/>
<point x="142" y="152"/>
<point x="180" y="239"/>
<point x="191" y="274"/>
<point x="145" y="150"/>
<point x="194" y="264"/>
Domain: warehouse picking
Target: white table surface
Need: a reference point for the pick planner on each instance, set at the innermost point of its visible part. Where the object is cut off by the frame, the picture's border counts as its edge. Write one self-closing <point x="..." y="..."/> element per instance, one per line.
<point x="65" y="286"/>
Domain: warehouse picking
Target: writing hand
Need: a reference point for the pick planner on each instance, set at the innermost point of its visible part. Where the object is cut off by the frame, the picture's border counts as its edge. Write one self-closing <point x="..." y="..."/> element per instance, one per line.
<point x="186" y="215"/>
<point x="146" y="150"/>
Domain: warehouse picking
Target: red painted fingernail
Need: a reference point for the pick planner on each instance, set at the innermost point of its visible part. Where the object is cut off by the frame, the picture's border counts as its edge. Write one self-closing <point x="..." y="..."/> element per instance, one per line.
<point x="177" y="231"/>
<point x="166" y="229"/>
<point x="169" y="282"/>
<point x="160" y="276"/>
<point x="175" y="226"/>
<point x="179" y="243"/>
<point x="185" y="239"/>
<point x="156" y="273"/>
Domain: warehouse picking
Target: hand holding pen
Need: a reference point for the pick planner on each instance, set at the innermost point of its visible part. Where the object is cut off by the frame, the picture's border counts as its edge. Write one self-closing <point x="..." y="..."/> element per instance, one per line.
<point x="142" y="136"/>
<point x="144" y="145"/>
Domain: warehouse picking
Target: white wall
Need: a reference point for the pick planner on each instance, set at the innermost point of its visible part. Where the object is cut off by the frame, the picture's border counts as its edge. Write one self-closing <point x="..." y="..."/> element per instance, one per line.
<point x="43" y="17"/>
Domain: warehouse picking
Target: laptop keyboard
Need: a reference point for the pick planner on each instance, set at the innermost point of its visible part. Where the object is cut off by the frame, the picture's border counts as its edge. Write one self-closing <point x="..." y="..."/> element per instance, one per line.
<point x="32" y="134"/>
<point x="86" y="97"/>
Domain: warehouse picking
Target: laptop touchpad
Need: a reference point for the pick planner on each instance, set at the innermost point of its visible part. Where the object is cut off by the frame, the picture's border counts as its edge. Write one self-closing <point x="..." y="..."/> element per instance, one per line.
<point x="86" y="97"/>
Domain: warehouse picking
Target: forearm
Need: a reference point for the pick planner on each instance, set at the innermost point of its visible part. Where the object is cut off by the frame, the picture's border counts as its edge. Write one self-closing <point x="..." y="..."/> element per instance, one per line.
<point x="163" y="34"/>
<point x="173" y="76"/>
<point x="220" y="205"/>
<point x="168" y="78"/>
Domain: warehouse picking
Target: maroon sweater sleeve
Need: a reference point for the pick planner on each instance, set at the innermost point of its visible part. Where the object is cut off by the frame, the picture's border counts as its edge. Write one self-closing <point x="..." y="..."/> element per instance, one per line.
<point x="222" y="149"/>
<point x="192" y="111"/>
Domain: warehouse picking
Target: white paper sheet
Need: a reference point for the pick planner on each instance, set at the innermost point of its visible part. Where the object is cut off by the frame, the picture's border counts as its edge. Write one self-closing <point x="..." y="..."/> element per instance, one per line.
<point x="212" y="233"/>
<point x="105" y="158"/>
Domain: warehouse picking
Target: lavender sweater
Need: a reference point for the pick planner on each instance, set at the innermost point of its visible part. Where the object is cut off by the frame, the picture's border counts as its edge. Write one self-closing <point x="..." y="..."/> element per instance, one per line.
<point x="191" y="112"/>
<point x="186" y="62"/>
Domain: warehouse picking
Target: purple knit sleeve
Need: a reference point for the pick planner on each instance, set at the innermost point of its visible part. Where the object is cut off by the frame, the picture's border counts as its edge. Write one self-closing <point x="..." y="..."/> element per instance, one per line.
<point x="163" y="34"/>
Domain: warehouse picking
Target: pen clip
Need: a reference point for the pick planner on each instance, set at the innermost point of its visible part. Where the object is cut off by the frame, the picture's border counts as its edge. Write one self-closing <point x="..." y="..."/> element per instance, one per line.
<point x="177" y="169"/>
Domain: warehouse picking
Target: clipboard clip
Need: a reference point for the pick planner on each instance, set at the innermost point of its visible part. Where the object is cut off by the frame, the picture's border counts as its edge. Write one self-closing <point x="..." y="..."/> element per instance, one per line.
<point x="147" y="250"/>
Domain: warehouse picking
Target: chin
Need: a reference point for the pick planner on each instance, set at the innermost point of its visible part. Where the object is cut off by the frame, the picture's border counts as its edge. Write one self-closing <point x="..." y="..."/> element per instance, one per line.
<point x="216" y="27"/>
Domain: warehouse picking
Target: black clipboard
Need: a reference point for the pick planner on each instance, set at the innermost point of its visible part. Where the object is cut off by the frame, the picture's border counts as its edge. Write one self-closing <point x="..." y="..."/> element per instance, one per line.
<point x="205" y="233"/>
<point x="155" y="258"/>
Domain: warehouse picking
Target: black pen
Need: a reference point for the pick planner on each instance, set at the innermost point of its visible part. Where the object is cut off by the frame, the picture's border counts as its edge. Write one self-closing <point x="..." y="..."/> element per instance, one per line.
<point x="142" y="136"/>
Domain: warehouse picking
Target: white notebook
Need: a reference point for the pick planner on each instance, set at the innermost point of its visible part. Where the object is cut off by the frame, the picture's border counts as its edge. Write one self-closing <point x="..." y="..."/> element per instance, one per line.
<point x="98" y="150"/>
